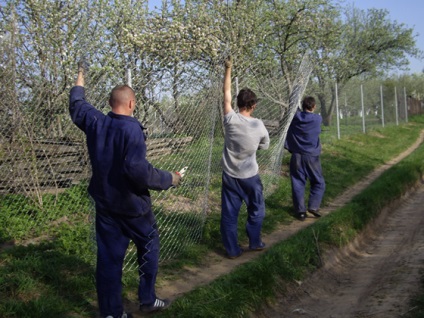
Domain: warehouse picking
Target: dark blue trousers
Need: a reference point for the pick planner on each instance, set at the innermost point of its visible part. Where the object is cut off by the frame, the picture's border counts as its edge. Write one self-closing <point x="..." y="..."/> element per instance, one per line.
<point x="113" y="234"/>
<point x="234" y="192"/>
<point x="303" y="168"/>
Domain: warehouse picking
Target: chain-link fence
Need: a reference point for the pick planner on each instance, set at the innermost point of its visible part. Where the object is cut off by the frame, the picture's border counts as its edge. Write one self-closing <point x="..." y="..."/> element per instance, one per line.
<point x="45" y="168"/>
<point x="359" y="107"/>
<point x="172" y="63"/>
<point x="44" y="165"/>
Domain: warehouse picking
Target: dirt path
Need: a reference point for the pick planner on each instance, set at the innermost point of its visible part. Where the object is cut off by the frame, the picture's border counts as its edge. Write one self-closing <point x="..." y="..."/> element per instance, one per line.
<point x="219" y="265"/>
<point x="373" y="278"/>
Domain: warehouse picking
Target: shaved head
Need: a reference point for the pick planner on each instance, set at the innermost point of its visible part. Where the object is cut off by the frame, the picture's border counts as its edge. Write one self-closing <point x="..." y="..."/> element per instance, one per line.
<point x="121" y="95"/>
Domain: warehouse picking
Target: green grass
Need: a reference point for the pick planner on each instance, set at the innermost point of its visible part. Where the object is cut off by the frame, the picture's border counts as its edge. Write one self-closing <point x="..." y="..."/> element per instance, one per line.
<point x="250" y="285"/>
<point x="55" y="278"/>
<point x="45" y="280"/>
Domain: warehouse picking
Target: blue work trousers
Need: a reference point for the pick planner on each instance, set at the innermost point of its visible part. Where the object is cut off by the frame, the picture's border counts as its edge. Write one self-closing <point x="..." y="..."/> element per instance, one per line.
<point x="303" y="168"/>
<point x="113" y="234"/>
<point x="234" y="192"/>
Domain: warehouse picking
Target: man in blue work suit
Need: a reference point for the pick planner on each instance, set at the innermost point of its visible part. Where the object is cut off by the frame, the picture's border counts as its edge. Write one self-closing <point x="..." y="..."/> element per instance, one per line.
<point x="120" y="183"/>
<point x="304" y="144"/>
<point x="244" y="135"/>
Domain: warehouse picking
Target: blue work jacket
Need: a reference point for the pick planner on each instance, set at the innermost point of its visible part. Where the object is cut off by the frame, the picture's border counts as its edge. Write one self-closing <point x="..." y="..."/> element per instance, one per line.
<point x="303" y="134"/>
<point x="121" y="175"/>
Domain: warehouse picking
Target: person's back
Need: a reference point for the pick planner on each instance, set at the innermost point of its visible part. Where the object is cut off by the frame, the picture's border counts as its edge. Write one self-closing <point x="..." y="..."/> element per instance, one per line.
<point x="304" y="144"/>
<point x="120" y="183"/>
<point x="110" y="144"/>
<point x="243" y="137"/>
<point x="303" y="134"/>
<point x="121" y="175"/>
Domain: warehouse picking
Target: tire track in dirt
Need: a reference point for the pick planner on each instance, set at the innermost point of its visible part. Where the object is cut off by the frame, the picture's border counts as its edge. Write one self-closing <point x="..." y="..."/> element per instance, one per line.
<point x="375" y="277"/>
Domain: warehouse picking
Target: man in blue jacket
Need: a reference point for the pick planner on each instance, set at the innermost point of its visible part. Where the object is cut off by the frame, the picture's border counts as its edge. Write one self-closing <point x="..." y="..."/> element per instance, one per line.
<point x="304" y="144"/>
<point x="120" y="183"/>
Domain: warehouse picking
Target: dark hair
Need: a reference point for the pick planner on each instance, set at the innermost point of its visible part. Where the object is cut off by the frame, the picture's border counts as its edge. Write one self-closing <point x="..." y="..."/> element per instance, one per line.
<point x="308" y="103"/>
<point x="246" y="98"/>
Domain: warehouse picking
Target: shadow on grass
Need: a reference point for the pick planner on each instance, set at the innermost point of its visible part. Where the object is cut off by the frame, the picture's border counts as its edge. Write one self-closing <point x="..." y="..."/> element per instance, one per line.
<point x="41" y="281"/>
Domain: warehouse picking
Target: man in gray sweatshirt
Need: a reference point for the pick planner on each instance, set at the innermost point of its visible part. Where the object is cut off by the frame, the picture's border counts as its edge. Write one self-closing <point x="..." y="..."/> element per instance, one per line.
<point x="244" y="135"/>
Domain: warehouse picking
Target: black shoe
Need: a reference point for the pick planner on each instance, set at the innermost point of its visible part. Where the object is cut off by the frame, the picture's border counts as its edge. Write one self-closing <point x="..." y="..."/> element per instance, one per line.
<point x="315" y="213"/>
<point x="301" y="216"/>
<point x="260" y="247"/>
<point x="235" y="256"/>
<point x="159" y="304"/>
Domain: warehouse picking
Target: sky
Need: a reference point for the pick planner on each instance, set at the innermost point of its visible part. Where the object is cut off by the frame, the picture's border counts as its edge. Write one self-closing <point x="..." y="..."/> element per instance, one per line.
<point x="408" y="12"/>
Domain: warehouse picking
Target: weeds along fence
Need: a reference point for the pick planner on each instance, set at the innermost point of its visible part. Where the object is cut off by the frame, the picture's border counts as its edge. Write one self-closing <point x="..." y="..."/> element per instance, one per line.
<point x="44" y="165"/>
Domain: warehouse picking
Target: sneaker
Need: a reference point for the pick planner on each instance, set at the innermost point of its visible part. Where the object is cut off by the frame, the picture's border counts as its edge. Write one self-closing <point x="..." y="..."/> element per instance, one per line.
<point x="315" y="213"/>
<point x="260" y="247"/>
<point x="158" y="305"/>
<point x="124" y="315"/>
<point x="301" y="216"/>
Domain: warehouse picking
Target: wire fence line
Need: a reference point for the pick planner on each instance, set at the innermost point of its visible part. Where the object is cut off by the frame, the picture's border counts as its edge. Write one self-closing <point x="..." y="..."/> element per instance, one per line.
<point x="44" y="165"/>
<point x="363" y="106"/>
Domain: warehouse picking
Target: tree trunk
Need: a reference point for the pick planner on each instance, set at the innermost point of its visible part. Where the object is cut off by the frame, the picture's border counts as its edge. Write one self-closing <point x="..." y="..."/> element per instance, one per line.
<point x="327" y="108"/>
<point x="325" y="114"/>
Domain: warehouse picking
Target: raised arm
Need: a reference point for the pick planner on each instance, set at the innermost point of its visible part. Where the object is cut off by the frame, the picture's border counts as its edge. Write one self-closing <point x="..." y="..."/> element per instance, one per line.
<point x="80" y="77"/>
<point x="82" y="112"/>
<point x="227" y="86"/>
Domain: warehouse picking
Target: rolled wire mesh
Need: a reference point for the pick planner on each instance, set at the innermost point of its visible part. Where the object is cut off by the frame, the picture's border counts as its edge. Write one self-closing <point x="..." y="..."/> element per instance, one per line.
<point x="44" y="164"/>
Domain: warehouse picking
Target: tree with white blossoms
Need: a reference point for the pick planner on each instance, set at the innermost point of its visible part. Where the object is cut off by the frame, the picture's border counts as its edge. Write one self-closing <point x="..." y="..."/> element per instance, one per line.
<point x="369" y="44"/>
<point x="181" y="43"/>
<point x="45" y="48"/>
<point x="178" y="48"/>
<point x="117" y="53"/>
<point x="294" y="28"/>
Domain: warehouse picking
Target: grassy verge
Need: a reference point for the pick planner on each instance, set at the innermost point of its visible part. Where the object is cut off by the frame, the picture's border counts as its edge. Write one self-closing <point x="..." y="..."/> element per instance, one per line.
<point x="345" y="162"/>
<point x="55" y="278"/>
<point x="246" y="288"/>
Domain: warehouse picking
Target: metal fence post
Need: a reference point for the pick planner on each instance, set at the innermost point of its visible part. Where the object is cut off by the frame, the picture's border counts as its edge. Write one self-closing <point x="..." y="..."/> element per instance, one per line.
<point x="128" y="77"/>
<point x="396" y="108"/>
<point x="237" y="91"/>
<point x="337" y="113"/>
<point x="406" y="104"/>
<point x="382" y="105"/>
<point x="363" y="110"/>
